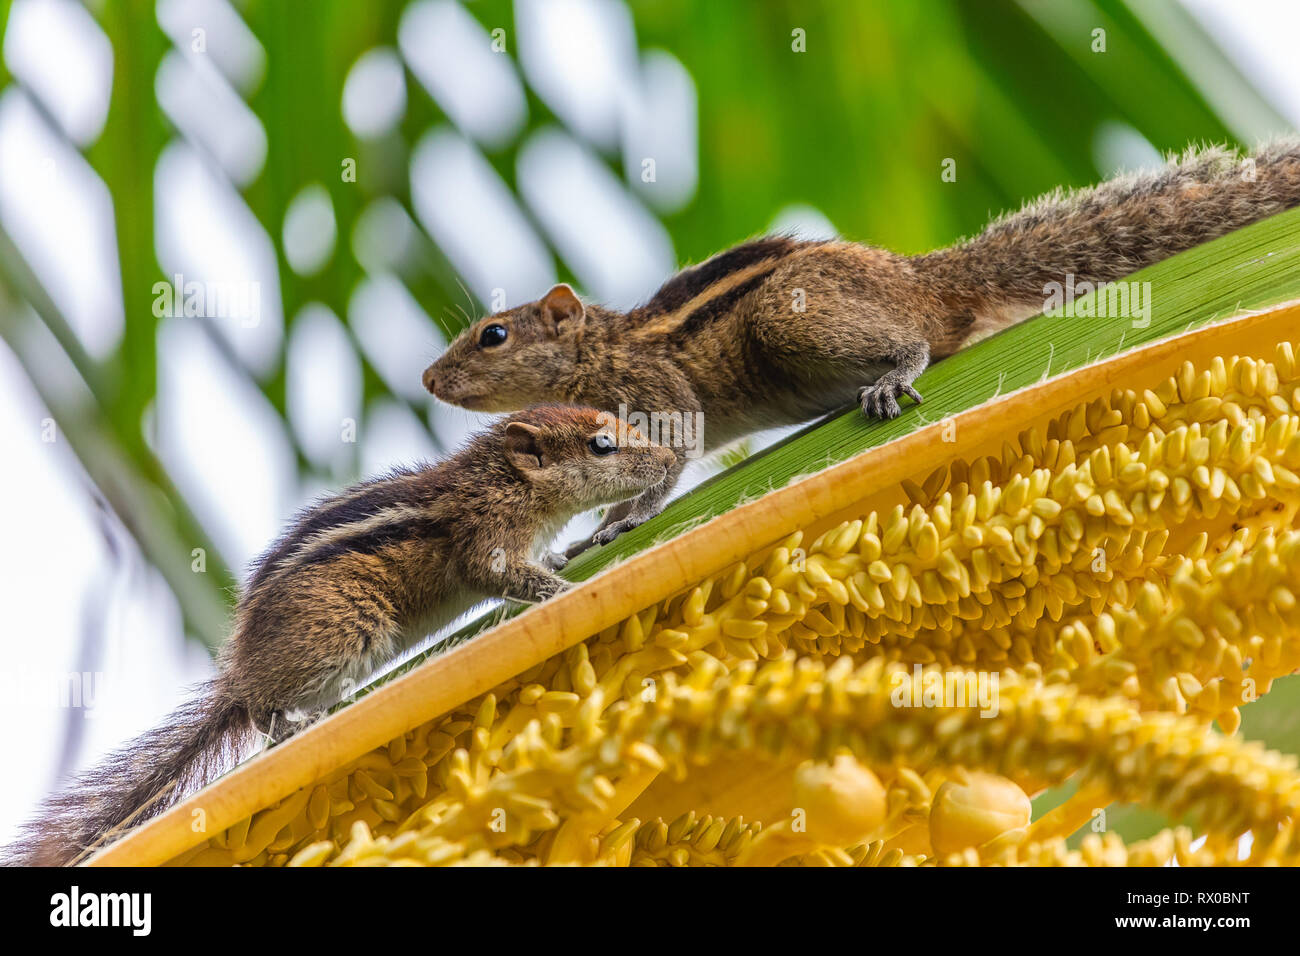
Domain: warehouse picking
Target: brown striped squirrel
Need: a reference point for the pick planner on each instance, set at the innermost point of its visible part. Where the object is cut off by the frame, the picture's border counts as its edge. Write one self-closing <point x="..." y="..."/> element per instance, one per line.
<point x="778" y="331"/>
<point x="356" y="579"/>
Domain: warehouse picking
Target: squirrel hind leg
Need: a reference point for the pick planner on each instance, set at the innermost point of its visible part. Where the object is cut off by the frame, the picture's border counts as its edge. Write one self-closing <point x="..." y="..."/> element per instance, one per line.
<point x="880" y="398"/>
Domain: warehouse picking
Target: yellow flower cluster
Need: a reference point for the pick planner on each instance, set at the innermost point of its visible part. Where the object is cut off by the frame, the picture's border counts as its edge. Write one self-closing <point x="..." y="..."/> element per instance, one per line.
<point x="1080" y="606"/>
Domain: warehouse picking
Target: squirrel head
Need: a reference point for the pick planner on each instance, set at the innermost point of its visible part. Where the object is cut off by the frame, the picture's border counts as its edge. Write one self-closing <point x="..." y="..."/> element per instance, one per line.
<point x="579" y="458"/>
<point x="513" y="358"/>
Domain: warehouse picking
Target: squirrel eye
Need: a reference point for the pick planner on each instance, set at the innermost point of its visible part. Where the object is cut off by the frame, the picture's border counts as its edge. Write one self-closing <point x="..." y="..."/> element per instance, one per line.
<point x="493" y="335"/>
<point x="603" y="445"/>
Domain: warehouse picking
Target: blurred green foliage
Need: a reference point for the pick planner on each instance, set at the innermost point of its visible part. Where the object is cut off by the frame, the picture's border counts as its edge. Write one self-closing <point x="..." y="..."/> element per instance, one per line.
<point x="859" y="124"/>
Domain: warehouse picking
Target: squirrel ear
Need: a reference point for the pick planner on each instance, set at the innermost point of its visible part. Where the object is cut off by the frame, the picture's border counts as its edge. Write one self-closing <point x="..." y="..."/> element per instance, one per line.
<point x="562" y="305"/>
<point x="524" y="447"/>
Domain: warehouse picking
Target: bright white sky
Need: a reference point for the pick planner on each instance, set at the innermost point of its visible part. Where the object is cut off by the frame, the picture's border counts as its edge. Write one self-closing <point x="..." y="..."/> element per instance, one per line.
<point x="227" y="450"/>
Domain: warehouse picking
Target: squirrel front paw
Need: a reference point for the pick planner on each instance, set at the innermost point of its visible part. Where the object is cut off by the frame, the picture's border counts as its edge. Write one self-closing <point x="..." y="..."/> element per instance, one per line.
<point x="554" y="561"/>
<point x="608" y="533"/>
<point x="548" y="591"/>
<point x="601" y="536"/>
<point x="881" y="399"/>
<point x="537" y="591"/>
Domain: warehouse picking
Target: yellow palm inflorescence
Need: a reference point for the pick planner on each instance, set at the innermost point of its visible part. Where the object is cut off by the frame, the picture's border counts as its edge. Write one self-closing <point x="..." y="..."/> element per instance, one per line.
<point x="1079" y="605"/>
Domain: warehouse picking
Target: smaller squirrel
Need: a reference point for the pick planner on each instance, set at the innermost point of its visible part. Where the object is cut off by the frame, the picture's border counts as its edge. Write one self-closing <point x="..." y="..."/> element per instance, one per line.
<point x="357" y="578"/>
<point x="778" y="330"/>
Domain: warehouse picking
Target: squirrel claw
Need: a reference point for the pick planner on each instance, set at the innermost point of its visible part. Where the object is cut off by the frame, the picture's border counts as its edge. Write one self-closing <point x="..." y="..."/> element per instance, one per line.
<point x="601" y="536"/>
<point x="881" y="399"/>
<point x="607" y="534"/>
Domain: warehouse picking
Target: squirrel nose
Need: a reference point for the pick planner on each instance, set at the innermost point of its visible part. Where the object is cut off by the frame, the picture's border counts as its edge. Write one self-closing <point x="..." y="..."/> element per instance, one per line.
<point x="428" y="379"/>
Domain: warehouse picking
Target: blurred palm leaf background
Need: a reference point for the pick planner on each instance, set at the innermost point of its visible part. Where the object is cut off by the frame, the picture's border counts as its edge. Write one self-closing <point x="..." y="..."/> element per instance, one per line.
<point x="354" y="180"/>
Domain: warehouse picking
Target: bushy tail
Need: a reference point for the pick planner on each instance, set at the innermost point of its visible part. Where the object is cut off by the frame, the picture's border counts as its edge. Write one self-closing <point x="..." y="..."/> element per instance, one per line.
<point x="136" y="782"/>
<point x="1105" y="232"/>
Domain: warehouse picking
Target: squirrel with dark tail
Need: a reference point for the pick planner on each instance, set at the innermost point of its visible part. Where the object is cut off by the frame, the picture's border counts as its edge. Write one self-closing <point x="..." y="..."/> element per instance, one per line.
<point x="778" y="331"/>
<point x="357" y="578"/>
